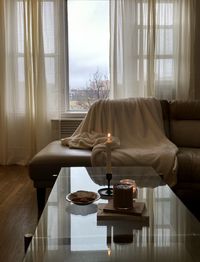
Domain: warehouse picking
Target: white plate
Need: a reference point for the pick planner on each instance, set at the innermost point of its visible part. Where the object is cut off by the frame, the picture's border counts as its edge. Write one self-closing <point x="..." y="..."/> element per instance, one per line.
<point x="82" y="197"/>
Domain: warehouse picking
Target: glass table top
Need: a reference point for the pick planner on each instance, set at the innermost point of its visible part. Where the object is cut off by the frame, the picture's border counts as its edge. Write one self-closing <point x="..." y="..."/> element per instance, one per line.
<point x="69" y="232"/>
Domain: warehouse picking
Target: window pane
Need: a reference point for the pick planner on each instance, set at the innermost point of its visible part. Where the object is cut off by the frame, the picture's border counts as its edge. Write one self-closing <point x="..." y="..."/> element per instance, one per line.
<point x="164" y="69"/>
<point x="164" y="42"/>
<point x="142" y="41"/>
<point x="142" y="13"/>
<point x="50" y="70"/>
<point x="164" y="14"/>
<point x="88" y="43"/>
<point x="20" y="86"/>
<point x="51" y="84"/>
<point x="20" y="68"/>
<point x="142" y="69"/>
<point x="48" y="27"/>
<point x="20" y="26"/>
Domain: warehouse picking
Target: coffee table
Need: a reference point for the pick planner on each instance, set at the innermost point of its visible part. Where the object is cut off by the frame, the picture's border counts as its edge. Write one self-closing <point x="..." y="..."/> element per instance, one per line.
<point x="68" y="232"/>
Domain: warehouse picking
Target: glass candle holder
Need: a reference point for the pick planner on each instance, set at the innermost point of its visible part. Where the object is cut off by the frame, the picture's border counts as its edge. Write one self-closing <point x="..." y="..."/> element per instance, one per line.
<point x="122" y="196"/>
<point x="132" y="183"/>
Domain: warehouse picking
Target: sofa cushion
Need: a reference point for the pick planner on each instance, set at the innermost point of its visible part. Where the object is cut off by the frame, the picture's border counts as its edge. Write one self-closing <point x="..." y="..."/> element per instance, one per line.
<point x="185" y="133"/>
<point x="185" y="109"/>
<point x="188" y="165"/>
<point x="54" y="156"/>
<point x="185" y="123"/>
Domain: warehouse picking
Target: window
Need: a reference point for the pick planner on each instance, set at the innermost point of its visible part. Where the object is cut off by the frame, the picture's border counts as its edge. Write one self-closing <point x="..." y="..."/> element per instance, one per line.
<point x="88" y="52"/>
<point x="88" y="35"/>
<point x="164" y="41"/>
<point x="164" y="48"/>
<point x="87" y="58"/>
<point x="164" y="37"/>
<point x="50" y="55"/>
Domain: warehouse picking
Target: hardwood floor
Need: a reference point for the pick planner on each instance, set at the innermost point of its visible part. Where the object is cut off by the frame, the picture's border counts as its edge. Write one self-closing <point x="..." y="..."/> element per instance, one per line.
<point x="18" y="211"/>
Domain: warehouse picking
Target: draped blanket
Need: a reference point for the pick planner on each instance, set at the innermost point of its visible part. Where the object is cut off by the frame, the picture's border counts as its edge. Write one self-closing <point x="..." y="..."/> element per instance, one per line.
<point x="136" y="125"/>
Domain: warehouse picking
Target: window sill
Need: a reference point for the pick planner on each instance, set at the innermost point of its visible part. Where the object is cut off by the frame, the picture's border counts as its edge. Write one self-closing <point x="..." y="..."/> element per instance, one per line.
<point x="73" y="115"/>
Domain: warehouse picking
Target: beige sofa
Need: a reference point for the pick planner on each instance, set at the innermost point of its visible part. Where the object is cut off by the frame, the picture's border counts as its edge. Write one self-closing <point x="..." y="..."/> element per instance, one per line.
<point x="182" y="127"/>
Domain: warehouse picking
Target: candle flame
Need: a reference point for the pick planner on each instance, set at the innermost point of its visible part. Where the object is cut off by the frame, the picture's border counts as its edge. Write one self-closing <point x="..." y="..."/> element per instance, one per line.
<point x="109" y="138"/>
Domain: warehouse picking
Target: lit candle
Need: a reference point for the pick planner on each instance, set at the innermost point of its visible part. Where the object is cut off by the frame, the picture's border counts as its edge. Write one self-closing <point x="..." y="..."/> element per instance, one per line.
<point x="109" y="239"/>
<point x="108" y="152"/>
<point x="109" y="251"/>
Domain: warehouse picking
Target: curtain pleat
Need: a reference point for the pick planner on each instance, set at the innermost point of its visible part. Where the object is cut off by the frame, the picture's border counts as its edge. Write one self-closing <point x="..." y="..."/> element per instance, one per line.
<point x="3" y="121"/>
<point x="151" y="48"/>
<point x="32" y="75"/>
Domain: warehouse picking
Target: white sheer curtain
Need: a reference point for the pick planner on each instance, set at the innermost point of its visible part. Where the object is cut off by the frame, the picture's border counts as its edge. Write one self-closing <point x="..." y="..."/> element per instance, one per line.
<point x="32" y="75"/>
<point x="151" y="45"/>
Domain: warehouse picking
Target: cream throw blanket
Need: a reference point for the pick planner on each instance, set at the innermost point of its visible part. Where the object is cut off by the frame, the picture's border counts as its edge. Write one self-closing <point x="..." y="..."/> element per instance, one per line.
<point x="136" y="125"/>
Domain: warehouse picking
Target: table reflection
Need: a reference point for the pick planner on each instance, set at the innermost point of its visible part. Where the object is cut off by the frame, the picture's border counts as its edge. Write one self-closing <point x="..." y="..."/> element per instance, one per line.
<point x="69" y="233"/>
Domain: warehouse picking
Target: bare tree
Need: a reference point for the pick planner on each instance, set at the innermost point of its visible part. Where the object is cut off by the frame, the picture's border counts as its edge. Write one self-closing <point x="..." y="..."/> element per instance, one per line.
<point x="97" y="88"/>
<point x="99" y="84"/>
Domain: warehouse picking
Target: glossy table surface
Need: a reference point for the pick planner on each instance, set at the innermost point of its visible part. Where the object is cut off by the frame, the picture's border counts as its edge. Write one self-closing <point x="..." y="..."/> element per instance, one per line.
<point x="68" y="232"/>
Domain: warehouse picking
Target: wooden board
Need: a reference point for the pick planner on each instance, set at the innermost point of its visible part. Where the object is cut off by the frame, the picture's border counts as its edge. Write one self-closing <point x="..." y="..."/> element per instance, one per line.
<point x="137" y="210"/>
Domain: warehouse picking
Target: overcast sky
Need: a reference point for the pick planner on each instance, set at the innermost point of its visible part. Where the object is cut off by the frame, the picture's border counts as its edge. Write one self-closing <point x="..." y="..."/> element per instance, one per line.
<point x="88" y="29"/>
